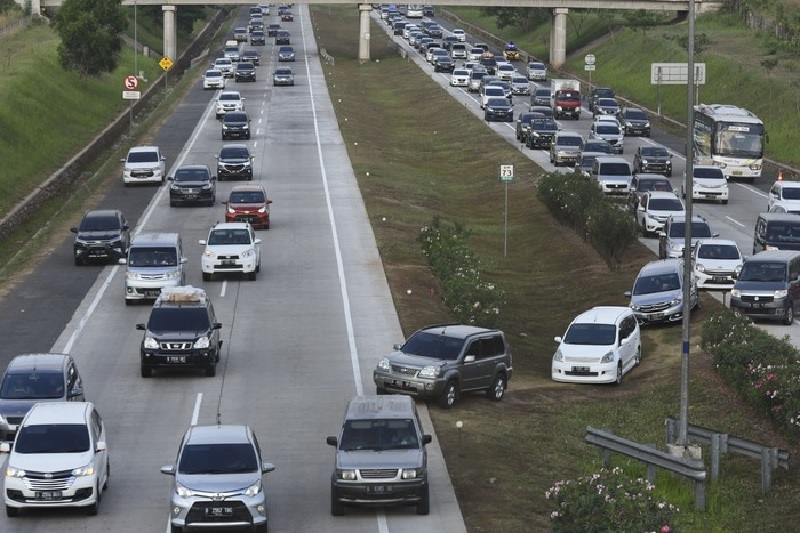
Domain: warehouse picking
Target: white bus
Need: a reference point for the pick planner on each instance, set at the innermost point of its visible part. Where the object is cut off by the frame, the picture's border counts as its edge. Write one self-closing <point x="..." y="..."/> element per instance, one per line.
<point x="730" y="137"/>
<point x="414" y="11"/>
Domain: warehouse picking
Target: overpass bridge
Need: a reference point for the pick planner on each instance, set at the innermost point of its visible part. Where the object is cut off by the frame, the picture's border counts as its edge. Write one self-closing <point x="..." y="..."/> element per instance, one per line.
<point x="558" y="26"/>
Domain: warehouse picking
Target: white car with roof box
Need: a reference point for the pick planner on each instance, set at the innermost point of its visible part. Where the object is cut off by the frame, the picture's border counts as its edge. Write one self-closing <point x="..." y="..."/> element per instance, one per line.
<point x="600" y="346"/>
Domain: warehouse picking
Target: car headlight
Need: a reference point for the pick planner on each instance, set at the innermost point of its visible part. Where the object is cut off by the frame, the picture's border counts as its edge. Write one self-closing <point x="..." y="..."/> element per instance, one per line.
<point x="608" y="358"/>
<point x="150" y="343"/>
<point x="248" y="253"/>
<point x="628" y="124"/>
<point x="558" y="356"/>
<point x="183" y="492"/>
<point x="262" y="209"/>
<point x="206" y="186"/>
<point x="646" y="124"/>
<point x="755" y="166"/>
<point x="14" y="472"/>
<point x="346" y="474"/>
<point x="676" y="247"/>
<point x="87" y="470"/>
<point x="384" y="364"/>
<point x="225" y="127"/>
<point x="699" y="267"/>
<point x="209" y="253"/>
<point x="668" y="163"/>
<point x="171" y="275"/>
<point x="253" y="489"/>
<point x="430" y="372"/>
<point x="131" y="275"/>
<point x="411" y="473"/>
<point x="230" y="209"/>
<point x="174" y="187"/>
<point x="736" y="293"/>
<point x="202" y="343"/>
<point x="644" y="162"/>
<point x="676" y="302"/>
<point x="737" y="270"/>
<point x="781" y="294"/>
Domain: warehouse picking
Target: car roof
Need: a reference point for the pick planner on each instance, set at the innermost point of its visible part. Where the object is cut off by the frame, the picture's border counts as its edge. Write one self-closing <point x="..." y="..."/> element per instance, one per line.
<point x="230" y="93"/>
<point x="662" y="266"/>
<point x="37" y="361"/>
<point x="230" y="225"/>
<point x="788" y="184"/>
<point x="218" y="434"/>
<point x="235" y="145"/>
<point x="382" y="406"/>
<point x="58" y="413"/>
<point x="661" y="194"/>
<point x="695" y="218"/>
<point x="155" y="239"/>
<point x="772" y="255"/>
<point x="652" y="177"/>
<point x="197" y="166"/>
<point x="143" y="149"/>
<point x="102" y="213"/>
<point x="603" y="315"/>
<point x="569" y="134"/>
<point x="612" y="159"/>
<point x="724" y="242"/>
<point x="782" y="217"/>
<point x="247" y="188"/>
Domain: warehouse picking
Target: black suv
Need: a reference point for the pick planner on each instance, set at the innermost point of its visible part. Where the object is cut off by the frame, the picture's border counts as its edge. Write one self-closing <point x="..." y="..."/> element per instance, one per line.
<point x="193" y="184"/>
<point x="235" y="124"/>
<point x="251" y="56"/>
<point x="33" y="378"/>
<point x="244" y="72"/>
<point x="235" y="162"/>
<point x="283" y="37"/>
<point x="653" y="160"/>
<point x="102" y="234"/>
<point x="258" y="38"/>
<point x="442" y="361"/>
<point x="634" y="121"/>
<point x="182" y="332"/>
<point x="542" y="131"/>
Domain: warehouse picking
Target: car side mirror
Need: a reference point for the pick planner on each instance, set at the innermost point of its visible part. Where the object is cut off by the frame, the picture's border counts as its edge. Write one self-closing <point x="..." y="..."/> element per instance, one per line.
<point x="557" y="339"/>
<point x="426" y="439"/>
<point x="224" y="202"/>
<point x="216" y="157"/>
<point x="75" y="392"/>
<point x="332" y="441"/>
<point x="168" y="470"/>
<point x="170" y="178"/>
<point x="469" y="358"/>
<point x="122" y="261"/>
<point x="267" y="467"/>
<point x="5" y="447"/>
<point x="74" y="230"/>
<point x="202" y="241"/>
<point x="140" y="327"/>
<point x="100" y="446"/>
<point x="627" y="294"/>
<point x="217" y="325"/>
<point x="125" y="227"/>
<point x="257" y="241"/>
<point x="269" y="201"/>
<point x="183" y="260"/>
<point x="715" y="234"/>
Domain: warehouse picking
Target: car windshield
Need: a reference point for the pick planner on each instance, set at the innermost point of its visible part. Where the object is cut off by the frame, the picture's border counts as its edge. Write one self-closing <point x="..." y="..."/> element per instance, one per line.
<point x="594" y="146"/>
<point x="178" y="319"/>
<point x="657" y="283"/>
<point x="591" y="334"/>
<point x="606" y="102"/>
<point x="699" y="230"/>
<point x="603" y="92"/>
<point x="653" y="185"/>
<point x="232" y="97"/>
<point x="544" y="124"/>
<point x="433" y="345"/>
<point x="100" y="224"/>
<point x="665" y="204"/>
<point x="635" y="114"/>
<point x="495" y="91"/>
<point x="536" y="66"/>
<point x="201" y="174"/>
<point x="785" y="231"/>
<point x="653" y="151"/>
<point x="607" y="130"/>
<point x="152" y="257"/>
<point x="718" y="251"/>
<point x="498" y="102"/>
<point x="229" y="236"/>
<point x="286" y="50"/>
<point x="763" y="271"/>
<point x="283" y="72"/>
<point x="245" y="66"/>
<point x="379" y="434"/>
<point x="235" y="153"/>
<point x="52" y="438"/>
<point x="228" y="458"/>
<point x="143" y="157"/>
<point x="543" y="93"/>
<point x="519" y="81"/>
<point x="223" y="62"/>
<point x="709" y="173"/>
<point x="213" y="74"/>
<point x="569" y="141"/>
<point x="33" y="385"/>
<point x="615" y="169"/>
<point x="246" y="197"/>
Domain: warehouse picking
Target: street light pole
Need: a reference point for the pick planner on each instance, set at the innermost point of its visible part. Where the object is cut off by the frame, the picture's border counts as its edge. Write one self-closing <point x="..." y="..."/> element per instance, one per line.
<point x="135" y="41"/>
<point x="688" y="271"/>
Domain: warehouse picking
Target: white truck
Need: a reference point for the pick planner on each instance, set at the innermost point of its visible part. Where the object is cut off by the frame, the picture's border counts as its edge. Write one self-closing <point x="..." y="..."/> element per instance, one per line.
<point x="566" y="98"/>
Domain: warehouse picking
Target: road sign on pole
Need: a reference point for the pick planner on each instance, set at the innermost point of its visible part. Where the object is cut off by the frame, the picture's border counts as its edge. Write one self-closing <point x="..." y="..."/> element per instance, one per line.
<point x="506" y="172"/>
<point x="131" y="95"/>
<point x="166" y="63"/>
<point x="131" y="83"/>
<point x="506" y="177"/>
<point x="588" y="66"/>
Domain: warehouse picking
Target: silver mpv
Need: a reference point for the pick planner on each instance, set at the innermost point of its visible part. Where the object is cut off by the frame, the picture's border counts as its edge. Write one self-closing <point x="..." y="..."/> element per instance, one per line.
<point x="218" y="480"/>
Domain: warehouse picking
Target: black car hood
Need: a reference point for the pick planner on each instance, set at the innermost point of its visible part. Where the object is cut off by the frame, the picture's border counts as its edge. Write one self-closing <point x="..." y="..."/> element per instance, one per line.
<point x="236" y="124"/>
<point x="170" y="336"/>
<point x="106" y="235"/>
<point x="763" y="286"/>
<point x="192" y="183"/>
<point x="234" y="160"/>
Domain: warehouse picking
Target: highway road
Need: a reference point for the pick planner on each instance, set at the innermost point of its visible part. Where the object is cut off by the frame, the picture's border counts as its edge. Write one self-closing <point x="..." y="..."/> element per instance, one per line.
<point x="298" y="342"/>
<point x="734" y="221"/>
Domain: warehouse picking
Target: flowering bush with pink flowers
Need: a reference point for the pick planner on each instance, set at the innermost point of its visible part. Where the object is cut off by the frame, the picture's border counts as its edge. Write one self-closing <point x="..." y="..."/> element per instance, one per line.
<point x="609" y="501"/>
<point x="764" y="369"/>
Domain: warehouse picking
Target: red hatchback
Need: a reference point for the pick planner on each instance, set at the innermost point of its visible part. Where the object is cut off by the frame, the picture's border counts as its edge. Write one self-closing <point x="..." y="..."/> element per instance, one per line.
<point x="248" y="203"/>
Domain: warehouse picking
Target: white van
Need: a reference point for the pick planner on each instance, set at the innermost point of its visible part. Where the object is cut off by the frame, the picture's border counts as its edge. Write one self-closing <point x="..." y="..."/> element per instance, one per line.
<point x="154" y="261"/>
<point x="144" y="164"/>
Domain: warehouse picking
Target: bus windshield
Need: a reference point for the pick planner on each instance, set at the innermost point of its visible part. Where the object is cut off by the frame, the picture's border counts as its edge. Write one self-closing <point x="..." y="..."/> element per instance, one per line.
<point x="739" y="140"/>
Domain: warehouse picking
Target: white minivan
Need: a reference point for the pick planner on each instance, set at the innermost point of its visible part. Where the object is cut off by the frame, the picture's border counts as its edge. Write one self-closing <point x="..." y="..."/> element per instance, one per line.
<point x="58" y="459"/>
<point x="144" y="164"/>
<point x="154" y="261"/>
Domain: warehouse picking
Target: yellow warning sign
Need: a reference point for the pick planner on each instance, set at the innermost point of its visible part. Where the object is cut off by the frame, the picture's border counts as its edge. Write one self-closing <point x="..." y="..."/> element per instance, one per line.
<point x="166" y="63"/>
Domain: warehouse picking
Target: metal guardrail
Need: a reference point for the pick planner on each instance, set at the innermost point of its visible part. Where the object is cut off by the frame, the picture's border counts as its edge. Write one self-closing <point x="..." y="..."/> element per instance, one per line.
<point x="693" y="469"/>
<point x="721" y="443"/>
<point x="329" y="59"/>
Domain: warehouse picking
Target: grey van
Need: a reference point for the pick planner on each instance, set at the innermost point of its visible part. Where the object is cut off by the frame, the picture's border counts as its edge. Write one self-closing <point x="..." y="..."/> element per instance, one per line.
<point x="154" y="261"/>
<point x="776" y="231"/>
<point x="657" y="294"/>
<point x="768" y="286"/>
<point x="380" y="455"/>
<point x="613" y="174"/>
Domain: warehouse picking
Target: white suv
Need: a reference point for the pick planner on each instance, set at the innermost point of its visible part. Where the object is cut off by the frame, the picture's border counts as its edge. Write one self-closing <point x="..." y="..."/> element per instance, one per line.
<point x="144" y="164"/>
<point x="229" y="101"/>
<point x="231" y="247"/>
<point x="784" y="197"/>
<point x="224" y="65"/>
<point x="58" y="459"/>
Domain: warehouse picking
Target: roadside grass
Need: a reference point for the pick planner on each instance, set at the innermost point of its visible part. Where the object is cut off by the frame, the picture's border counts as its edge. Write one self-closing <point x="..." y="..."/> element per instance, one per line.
<point x="735" y="72"/>
<point x="418" y="154"/>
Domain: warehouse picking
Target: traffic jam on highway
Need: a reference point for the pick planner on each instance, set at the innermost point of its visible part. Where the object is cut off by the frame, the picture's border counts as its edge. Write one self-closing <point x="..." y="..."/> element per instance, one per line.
<point x="56" y="439"/>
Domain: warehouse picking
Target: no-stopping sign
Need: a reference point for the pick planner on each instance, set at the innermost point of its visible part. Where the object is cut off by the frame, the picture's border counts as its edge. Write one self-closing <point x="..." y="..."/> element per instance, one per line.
<point x="131" y="82"/>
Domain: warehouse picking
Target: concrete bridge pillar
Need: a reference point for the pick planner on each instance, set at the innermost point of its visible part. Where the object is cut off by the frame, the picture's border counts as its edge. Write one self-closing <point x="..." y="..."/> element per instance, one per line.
<point x="363" y="32"/>
<point x="170" y="33"/>
<point x="36" y="7"/>
<point x="558" y="37"/>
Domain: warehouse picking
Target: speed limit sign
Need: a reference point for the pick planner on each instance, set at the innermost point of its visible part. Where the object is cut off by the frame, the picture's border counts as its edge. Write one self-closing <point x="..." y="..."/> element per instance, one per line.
<point x="131" y="82"/>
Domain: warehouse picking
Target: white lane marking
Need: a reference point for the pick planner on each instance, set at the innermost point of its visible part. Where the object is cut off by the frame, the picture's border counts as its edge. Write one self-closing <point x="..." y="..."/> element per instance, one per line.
<point x="85" y="318"/>
<point x="735" y="221"/>
<point x="383" y="527"/>
<point x="196" y="410"/>
<point x="753" y="190"/>
<point x="224" y="287"/>
<point x="348" y="319"/>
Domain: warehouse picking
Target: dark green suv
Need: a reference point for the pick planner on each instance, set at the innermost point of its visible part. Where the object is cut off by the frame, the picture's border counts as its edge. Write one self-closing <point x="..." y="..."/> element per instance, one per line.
<point x="442" y="361"/>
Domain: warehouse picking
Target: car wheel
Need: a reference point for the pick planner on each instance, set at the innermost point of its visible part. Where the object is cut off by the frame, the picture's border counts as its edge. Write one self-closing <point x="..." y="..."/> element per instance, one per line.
<point x="128" y="302"/>
<point x="11" y="512"/>
<point x="146" y="371"/>
<point x="789" y="320"/>
<point x="637" y="359"/>
<point x="93" y="509"/>
<point x="262" y="528"/>
<point x="251" y="276"/>
<point x="618" y="379"/>
<point x="211" y="370"/>
<point x="78" y="261"/>
<point x="206" y="276"/>
<point x="498" y="388"/>
<point x="449" y="395"/>
<point x="172" y="204"/>
<point x="424" y="503"/>
<point x="644" y="229"/>
<point x="337" y="509"/>
<point x="724" y="202"/>
<point x="175" y="529"/>
<point x="108" y="475"/>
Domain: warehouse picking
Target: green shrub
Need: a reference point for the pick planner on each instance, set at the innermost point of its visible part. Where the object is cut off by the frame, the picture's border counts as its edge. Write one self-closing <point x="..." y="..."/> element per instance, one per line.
<point x="611" y="231"/>
<point x="608" y="501"/>
<point x="471" y="300"/>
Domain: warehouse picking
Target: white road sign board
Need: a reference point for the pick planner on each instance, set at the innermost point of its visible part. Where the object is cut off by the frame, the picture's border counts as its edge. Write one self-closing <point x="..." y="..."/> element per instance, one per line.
<point x="676" y="73"/>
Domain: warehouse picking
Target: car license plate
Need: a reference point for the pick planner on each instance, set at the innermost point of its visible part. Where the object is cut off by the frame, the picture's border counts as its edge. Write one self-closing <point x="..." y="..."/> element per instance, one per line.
<point x="737" y="173"/>
<point x="152" y="294"/>
<point x="219" y="511"/>
<point x="580" y="369"/>
<point x="228" y="262"/>
<point x="379" y="489"/>
<point x="719" y="279"/>
<point x="656" y="316"/>
<point x="48" y="495"/>
<point x="176" y="359"/>
<point x="191" y="196"/>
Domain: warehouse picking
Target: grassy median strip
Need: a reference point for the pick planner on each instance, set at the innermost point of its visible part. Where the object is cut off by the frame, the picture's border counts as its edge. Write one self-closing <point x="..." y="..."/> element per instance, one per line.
<point x="418" y="154"/>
